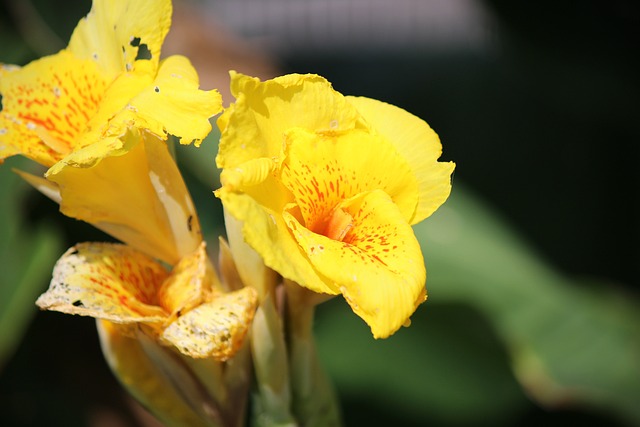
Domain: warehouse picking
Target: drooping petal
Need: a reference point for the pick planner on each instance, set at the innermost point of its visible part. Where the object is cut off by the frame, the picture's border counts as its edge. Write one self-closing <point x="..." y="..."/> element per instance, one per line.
<point x="116" y="33"/>
<point x="46" y="187"/>
<point x="138" y="198"/>
<point x="140" y="376"/>
<point x="217" y="328"/>
<point x="323" y="168"/>
<point x="265" y="110"/>
<point x="173" y="104"/>
<point x="378" y="265"/>
<point x="107" y="281"/>
<point x="46" y="105"/>
<point x="418" y="144"/>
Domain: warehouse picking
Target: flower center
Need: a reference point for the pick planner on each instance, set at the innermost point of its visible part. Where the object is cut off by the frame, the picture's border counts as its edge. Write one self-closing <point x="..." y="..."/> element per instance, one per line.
<point x="337" y="224"/>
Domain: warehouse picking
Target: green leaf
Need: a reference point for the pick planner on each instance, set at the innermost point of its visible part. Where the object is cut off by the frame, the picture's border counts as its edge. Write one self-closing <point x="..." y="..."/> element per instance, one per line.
<point x="27" y="257"/>
<point x="568" y="342"/>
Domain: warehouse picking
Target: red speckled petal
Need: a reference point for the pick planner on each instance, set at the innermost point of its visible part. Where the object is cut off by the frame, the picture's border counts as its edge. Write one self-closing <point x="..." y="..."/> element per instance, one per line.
<point x="322" y="169"/>
<point x="46" y="105"/>
<point x="106" y="281"/>
<point x="378" y="265"/>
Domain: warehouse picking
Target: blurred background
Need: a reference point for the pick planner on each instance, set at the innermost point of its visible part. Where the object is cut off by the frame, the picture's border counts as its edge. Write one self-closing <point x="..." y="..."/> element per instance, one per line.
<point x="533" y="314"/>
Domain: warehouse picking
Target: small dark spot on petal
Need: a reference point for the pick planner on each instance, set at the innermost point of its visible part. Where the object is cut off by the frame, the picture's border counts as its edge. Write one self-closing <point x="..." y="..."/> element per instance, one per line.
<point x="143" y="52"/>
<point x="157" y="89"/>
<point x="77" y="303"/>
<point x="135" y="41"/>
<point x="190" y="220"/>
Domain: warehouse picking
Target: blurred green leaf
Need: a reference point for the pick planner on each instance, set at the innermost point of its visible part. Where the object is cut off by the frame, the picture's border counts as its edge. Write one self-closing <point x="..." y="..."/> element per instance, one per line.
<point x="569" y="342"/>
<point x="493" y="304"/>
<point x="27" y="256"/>
<point x="448" y="368"/>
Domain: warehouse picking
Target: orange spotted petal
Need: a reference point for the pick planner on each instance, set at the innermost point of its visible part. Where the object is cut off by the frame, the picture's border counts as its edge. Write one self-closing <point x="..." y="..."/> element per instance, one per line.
<point x="46" y="105"/>
<point x="323" y="168"/>
<point x="106" y="281"/>
<point x="378" y="265"/>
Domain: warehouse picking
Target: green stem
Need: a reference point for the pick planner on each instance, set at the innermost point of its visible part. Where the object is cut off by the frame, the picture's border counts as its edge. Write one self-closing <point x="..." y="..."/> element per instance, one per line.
<point x="272" y="401"/>
<point x="314" y="399"/>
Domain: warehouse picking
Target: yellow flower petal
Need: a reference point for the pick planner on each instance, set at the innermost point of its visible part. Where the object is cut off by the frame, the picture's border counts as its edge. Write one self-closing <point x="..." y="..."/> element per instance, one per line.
<point x="321" y="169"/>
<point x="248" y="174"/>
<point x="48" y="188"/>
<point x="106" y="281"/>
<point x="46" y="105"/>
<point x="189" y="284"/>
<point x="418" y="144"/>
<point x="378" y="265"/>
<point x="138" y="373"/>
<point x="251" y="269"/>
<point x="173" y="104"/>
<point x="138" y="198"/>
<point x="115" y="33"/>
<point x="264" y="229"/>
<point x="265" y="110"/>
<point x="215" y="329"/>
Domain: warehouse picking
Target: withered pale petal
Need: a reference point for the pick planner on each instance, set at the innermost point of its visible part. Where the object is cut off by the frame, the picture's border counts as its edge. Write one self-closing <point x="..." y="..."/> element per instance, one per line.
<point x="106" y="281"/>
<point x="214" y="329"/>
<point x="189" y="283"/>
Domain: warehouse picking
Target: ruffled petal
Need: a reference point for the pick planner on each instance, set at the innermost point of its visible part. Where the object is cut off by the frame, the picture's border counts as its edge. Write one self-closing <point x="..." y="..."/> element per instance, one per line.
<point x="265" y="110"/>
<point x="106" y="281"/>
<point x="215" y="329"/>
<point x="378" y="265"/>
<point x="173" y="104"/>
<point x="46" y="105"/>
<point x="117" y="33"/>
<point x="418" y="144"/>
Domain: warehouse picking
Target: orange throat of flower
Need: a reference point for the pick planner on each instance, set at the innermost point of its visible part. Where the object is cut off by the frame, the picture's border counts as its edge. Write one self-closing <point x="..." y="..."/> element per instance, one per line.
<point x="336" y="225"/>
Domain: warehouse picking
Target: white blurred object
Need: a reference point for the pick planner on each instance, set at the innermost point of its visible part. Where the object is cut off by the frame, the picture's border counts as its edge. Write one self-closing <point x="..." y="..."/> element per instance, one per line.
<point x="294" y="25"/>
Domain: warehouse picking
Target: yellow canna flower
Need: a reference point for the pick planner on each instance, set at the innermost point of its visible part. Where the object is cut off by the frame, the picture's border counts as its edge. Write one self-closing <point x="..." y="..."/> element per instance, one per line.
<point x="96" y="114"/>
<point x="186" y="308"/>
<point x="327" y="188"/>
<point x="109" y="78"/>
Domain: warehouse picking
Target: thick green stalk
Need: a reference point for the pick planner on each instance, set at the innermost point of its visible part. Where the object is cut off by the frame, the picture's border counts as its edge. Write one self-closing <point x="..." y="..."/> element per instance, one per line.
<point x="314" y="399"/>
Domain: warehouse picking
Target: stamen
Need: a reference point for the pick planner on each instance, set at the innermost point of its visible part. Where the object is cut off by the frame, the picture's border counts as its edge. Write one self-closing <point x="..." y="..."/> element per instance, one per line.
<point x="338" y="225"/>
